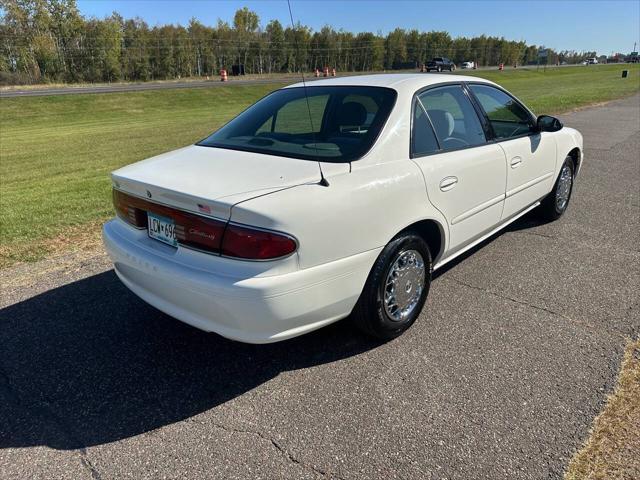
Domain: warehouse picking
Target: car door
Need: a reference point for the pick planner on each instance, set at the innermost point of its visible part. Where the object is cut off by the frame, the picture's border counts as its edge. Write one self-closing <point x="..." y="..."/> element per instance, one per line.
<point x="530" y="154"/>
<point x="464" y="175"/>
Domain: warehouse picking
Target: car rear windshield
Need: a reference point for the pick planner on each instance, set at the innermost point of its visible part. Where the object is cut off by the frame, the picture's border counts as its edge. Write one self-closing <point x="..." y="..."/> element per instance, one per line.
<point x="330" y="124"/>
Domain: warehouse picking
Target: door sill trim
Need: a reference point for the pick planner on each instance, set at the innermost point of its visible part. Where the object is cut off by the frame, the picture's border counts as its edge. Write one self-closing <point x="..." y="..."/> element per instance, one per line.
<point x="485" y="236"/>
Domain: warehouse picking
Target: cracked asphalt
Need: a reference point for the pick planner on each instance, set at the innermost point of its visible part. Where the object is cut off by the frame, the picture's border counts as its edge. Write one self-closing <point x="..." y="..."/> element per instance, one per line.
<point x="500" y="378"/>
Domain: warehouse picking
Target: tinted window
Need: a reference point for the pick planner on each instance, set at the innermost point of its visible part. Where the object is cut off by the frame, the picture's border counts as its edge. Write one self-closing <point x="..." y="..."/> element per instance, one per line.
<point x="423" y="140"/>
<point x="508" y="118"/>
<point x="453" y="117"/>
<point x="337" y="124"/>
<point x="294" y="117"/>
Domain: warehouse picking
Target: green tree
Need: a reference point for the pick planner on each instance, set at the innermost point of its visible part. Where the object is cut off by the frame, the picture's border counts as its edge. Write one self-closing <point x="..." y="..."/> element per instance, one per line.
<point x="245" y="24"/>
<point x="276" y="47"/>
<point x="396" y="48"/>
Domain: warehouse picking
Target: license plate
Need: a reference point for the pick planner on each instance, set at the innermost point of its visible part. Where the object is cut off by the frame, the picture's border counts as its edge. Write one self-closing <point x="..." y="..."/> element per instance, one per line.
<point x="162" y="228"/>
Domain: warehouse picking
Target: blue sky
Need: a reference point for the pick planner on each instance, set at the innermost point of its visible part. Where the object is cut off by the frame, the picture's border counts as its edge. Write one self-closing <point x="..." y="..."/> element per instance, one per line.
<point x="604" y="26"/>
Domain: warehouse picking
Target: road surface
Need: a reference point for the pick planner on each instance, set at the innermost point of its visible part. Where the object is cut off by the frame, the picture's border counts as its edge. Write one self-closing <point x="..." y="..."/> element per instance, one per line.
<point x="136" y="87"/>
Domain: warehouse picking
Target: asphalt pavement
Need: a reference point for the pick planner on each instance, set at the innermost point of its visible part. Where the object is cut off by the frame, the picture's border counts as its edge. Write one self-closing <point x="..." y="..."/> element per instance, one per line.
<point x="136" y="87"/>
<point x="501" y="377"/>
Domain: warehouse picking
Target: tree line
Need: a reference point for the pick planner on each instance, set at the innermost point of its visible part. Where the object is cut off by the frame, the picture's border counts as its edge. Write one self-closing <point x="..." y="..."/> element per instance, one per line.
<point x="50" y="41"/>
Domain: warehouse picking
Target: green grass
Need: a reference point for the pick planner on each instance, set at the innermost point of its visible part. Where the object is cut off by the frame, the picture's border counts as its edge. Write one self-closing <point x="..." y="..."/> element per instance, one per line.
<point x="56" y="152"/>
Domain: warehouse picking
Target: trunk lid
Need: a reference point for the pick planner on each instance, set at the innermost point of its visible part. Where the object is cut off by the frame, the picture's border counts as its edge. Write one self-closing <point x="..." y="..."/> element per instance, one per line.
<point x="210" y="181"/>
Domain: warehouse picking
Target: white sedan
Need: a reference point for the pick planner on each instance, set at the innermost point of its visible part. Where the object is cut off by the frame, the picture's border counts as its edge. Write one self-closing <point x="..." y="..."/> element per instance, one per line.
<point x="332" y="200"/>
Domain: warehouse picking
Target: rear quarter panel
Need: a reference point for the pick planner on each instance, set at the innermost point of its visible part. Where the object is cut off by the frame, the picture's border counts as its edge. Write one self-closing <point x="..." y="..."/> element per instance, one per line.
<point x="359" y="211"/>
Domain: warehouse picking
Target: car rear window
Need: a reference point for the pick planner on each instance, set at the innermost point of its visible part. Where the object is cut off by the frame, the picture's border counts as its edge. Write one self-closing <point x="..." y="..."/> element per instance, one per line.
<point x="331" y="124"/>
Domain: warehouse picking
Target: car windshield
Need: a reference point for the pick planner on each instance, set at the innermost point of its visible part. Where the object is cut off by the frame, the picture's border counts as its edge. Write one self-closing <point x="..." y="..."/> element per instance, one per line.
<point x="332" y="124"/>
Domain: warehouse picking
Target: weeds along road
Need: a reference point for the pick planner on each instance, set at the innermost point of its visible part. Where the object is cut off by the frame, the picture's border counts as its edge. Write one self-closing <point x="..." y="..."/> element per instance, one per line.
<point x="500" y="378"/>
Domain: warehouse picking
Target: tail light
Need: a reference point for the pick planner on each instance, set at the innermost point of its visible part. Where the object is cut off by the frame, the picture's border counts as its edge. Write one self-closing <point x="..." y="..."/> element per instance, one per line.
<point x="126" y="209"/>
<point x="207" y="234"/>
<point x="255" y="244"/>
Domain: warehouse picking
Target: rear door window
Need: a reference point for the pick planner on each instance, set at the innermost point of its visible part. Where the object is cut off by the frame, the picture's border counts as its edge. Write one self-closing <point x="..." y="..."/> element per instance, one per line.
<point x="453" y="117"/>
<point x="423" y="139"/>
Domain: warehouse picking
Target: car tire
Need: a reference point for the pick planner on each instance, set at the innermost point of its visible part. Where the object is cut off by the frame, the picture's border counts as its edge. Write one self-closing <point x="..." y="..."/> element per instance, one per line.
<point x="556" y="203"/>
<point x="396" y="289"/>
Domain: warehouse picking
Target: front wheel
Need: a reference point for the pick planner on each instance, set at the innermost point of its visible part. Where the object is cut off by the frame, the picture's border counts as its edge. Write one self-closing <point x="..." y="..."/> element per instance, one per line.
<point x="396" y="289"/>
<point x="555" y="204"/>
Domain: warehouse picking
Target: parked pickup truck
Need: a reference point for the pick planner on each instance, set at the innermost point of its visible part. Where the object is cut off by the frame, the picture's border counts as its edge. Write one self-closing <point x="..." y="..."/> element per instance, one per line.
<point x="439" y="64"/>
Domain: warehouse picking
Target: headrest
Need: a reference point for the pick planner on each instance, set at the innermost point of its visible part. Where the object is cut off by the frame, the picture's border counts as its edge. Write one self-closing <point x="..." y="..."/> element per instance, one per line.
<point x="442" y="122"/>
<point x="352" y="114"/>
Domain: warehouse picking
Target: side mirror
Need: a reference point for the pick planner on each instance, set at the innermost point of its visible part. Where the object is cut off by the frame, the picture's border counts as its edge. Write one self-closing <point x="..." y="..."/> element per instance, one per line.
<point x="547" y="123"/>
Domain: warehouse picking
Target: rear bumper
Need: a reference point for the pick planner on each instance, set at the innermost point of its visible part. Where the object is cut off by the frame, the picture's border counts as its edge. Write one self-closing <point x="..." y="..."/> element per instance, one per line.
<point x="260" y="308"/>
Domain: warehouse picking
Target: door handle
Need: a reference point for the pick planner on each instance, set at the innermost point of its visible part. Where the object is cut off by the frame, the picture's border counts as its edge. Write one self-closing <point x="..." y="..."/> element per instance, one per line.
<point x="448" y="183"/>
<point x="515" y="162"/>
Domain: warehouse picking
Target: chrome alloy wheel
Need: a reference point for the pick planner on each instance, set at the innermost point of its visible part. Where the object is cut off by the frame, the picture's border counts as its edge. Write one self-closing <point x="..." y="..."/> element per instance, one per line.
<point x="404" y="285"/>
<point x="564" y="188"/>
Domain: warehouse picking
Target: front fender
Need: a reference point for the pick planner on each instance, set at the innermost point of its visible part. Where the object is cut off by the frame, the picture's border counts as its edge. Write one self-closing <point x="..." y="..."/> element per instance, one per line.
<point x="567" y="140"/>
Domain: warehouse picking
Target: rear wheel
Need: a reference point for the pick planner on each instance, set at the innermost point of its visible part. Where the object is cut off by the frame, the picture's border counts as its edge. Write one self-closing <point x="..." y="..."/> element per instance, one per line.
<point x="396" y="289"/>
<point x="556" y="203"/>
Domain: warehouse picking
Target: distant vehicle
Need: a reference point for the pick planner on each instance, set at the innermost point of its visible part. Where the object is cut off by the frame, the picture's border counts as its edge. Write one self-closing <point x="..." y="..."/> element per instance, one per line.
<point x="268" y="229"/>
<point x="440" y="63"/>
<point x="468" y="65"/>
<point x="592" y="61"/>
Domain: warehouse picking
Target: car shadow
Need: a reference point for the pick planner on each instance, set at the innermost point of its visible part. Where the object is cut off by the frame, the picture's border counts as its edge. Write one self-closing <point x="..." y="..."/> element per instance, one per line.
<point x="89" y="363"/>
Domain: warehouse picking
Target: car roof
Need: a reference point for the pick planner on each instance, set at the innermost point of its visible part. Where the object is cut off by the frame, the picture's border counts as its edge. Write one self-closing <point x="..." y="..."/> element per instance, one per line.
<point x="397" y="81"/>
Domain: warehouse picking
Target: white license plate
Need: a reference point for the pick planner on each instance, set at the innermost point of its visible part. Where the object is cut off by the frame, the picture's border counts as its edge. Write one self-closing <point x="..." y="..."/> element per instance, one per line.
<point x="162" y="228"/>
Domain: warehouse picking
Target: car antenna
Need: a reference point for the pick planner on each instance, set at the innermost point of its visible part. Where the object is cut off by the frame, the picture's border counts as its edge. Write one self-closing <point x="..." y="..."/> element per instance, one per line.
<point x="323" y="180"/>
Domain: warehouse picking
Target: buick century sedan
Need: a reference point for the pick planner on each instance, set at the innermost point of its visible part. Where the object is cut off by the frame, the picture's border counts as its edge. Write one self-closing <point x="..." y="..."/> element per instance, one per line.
<point x="334" y="199"/>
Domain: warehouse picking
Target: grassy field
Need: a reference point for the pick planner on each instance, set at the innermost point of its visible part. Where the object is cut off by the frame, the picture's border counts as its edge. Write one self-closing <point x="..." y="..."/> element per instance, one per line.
<point x="56" y="152"/>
